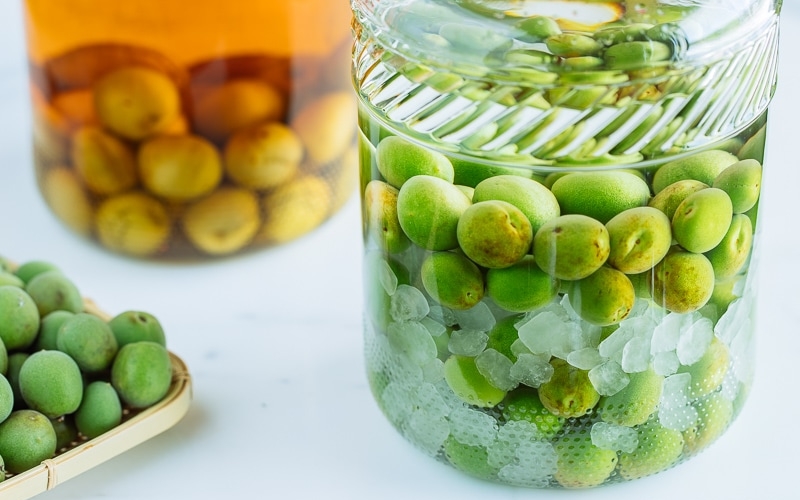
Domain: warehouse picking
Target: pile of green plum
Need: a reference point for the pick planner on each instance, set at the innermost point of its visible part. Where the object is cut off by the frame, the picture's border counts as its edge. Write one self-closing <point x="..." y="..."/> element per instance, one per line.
<point x="559" y="327"/>
<point x="67" y="373"/>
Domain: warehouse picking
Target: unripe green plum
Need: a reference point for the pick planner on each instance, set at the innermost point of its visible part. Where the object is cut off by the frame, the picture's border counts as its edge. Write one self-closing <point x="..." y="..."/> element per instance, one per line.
<point x="603" y="298"/>
<point x="571" y="247"/>
<point x="702" y="220"/>
<point x="639" y="237"/>
<point x="536" y="201"/>
<point x="452" y="280"/>
<point x="704" y="166"/>
<point x="494" y="234"/>
<point x="683" y="281"/>
<point x="428" y="209"/>
<point x="399" y="159"/>
<point x="600" y="195"/>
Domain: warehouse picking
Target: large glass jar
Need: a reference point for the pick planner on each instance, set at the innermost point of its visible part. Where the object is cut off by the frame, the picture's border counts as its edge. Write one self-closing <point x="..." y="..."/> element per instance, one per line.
<point x="560" y="212"/>
<point x="177" y="129"/>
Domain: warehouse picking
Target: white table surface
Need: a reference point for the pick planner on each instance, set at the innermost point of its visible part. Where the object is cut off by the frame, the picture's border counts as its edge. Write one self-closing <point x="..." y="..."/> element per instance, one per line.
<point x="281" y="406"/>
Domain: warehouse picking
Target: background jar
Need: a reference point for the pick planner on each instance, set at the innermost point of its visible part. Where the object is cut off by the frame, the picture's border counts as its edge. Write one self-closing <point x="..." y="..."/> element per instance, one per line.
<point x="560" y="276"/>
<point x="191" y="129"/>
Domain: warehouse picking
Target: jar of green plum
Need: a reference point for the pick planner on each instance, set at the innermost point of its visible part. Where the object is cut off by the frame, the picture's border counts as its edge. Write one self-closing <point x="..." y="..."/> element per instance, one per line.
<point x="560" y="214"/>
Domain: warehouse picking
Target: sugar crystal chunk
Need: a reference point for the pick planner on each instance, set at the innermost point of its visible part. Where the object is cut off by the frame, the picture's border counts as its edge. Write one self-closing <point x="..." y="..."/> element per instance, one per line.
<point x="694" y="340"/>
<point x="504" y="449"/>
<point x="614" y="437"/>
<point x="550" y="333"/>
<point x="477" y="317"/>
<point x="428" y="398"/>
<point x="531" y="370"/>
<point x="467" y="342"/>
<point x="433" y="370"/>
<point x="473" y="427"/>
<point x="678" y="418"/>
<point x="666" y="334"/>
<point x="496" y="368"/>
<point x="396" y="402"/>
<point x="428" y="432"/>
<point x="408" y="304"/>
<point x="666" y="363"/>
<point x="403" y="370"/>
<point x="539" y="456"/>
<point x="676" y="389"/>
<point x="585" y="359"/>
<point x="636" y="355"/>
<point x="536" y="462"/>
<point x="612" y="346"/>
<point x="435" y="328"/>
<point x="442" y="315"/>
<point x="387" y="278"/>
<point x="413" y="340"/>
<point x="448" y="396"/>
<point x="520" y="475"/>
<point x="608" y="378"/>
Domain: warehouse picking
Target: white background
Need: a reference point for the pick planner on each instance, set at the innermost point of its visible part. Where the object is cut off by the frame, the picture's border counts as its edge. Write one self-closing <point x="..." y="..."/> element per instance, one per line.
<point x="281" y="406"/>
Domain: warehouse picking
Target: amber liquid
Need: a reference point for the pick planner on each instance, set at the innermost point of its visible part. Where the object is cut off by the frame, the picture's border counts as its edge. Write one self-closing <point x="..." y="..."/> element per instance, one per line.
<point x="189" y="30"/>
<point x="298" y="48"/>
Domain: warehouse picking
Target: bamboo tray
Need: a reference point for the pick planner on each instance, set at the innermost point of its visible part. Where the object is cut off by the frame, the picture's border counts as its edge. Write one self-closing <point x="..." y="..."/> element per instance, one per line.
<point x="135" y="428"/>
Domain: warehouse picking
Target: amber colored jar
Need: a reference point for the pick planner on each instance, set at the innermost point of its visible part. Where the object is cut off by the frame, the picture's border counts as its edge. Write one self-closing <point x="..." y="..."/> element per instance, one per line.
<point x="174" y="129"/>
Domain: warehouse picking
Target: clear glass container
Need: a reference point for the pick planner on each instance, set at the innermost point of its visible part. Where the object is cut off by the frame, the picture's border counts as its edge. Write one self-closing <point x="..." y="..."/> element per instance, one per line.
<point x="192" y="129"/>
<point x="560" y="212"/>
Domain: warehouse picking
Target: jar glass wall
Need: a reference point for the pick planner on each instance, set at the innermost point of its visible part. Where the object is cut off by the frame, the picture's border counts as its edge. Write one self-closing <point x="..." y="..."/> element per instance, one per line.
<point x="560" y="213"/>
<point x="192" y="129"/>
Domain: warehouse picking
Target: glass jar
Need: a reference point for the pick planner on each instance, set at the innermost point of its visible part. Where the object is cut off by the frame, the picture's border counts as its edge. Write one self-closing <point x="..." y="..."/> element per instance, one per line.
<point x="192" y="129"/>
<point x="560" y="212"/>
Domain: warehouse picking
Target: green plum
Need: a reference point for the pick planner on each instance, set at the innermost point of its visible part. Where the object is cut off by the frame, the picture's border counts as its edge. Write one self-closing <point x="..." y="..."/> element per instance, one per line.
<point x="471" y="173"/>
<point x="53" y="291"/>
<point x="521" y="287"/>
<point x="469" y="458"/>
<point x="524" y="404"/>
<point x="503" y="335"/>
<point x="715" y="414"/>
<point x="702" y="220"/>
<point x="581" y="464"/>
<point x="380" y="217"/>
<point x="569" y="392"/>
<point x="742" y="182"/>
<point x="571" y="247"/>
<point x="536" y="201"/>
<point x="600" y="195"/>
<point x="452" y="280"/>
<point x="683" y="281"/>
<point x="668" y="199"/>
<point x="51" y="382"/>
<point x="636" y="402"/>
<point x="88" y="340"/>
<point x="603" y="298"/>
<point x="21" y="318"/>
<point x="704" y="166"/>
<point x="731" y="254"/>
<point x="709" y="371"/>
<point x="26" y="439"/>
<point x="494" y="234"/>
<point x="399" y="159"/>
<point x="639" y="237"/>
<point x="467" y="382"/>
<point x="428" y="209"/>
<point x="659" y="448"/>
